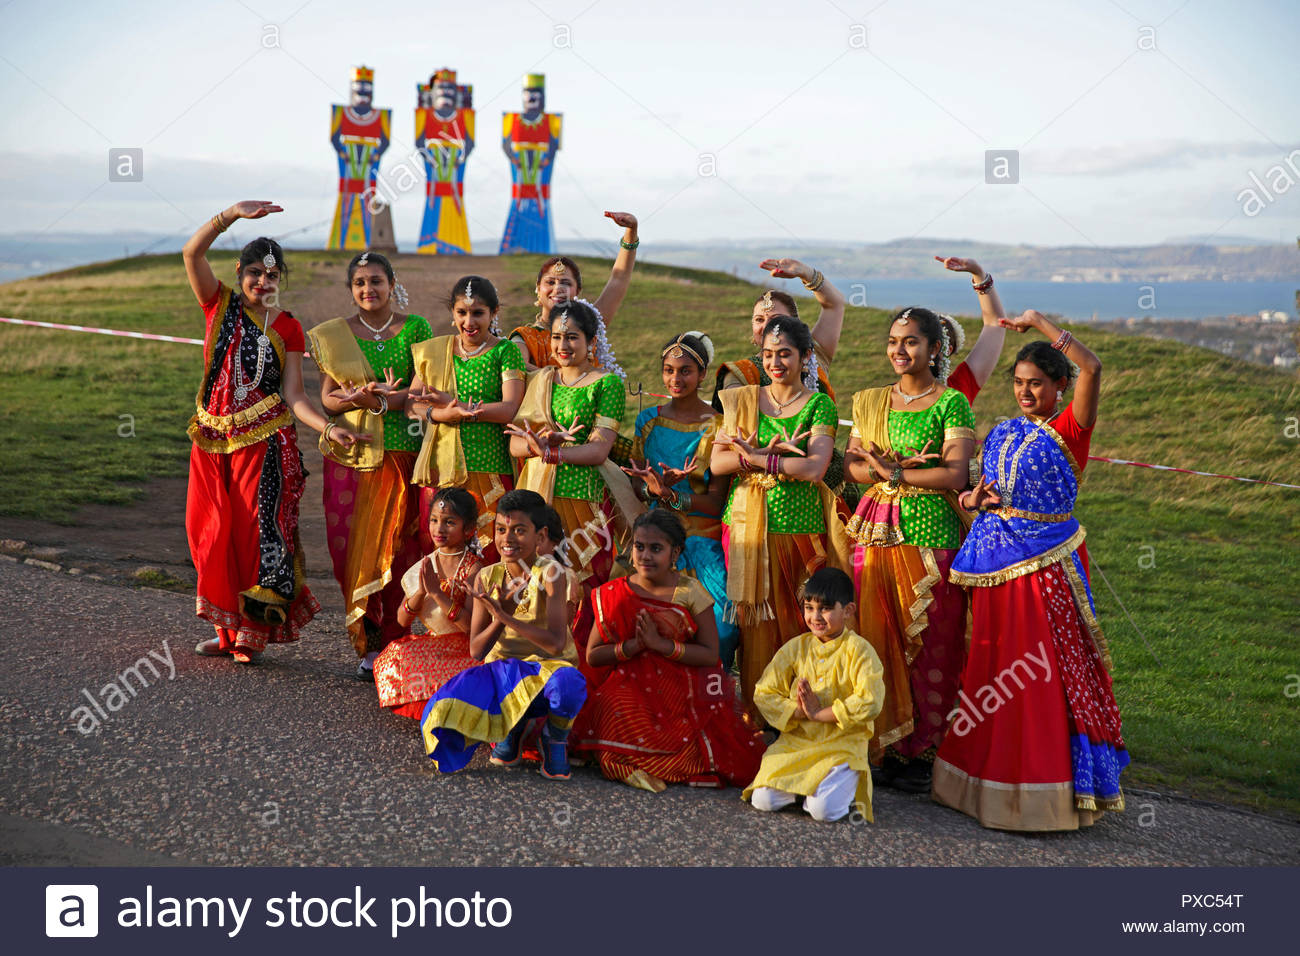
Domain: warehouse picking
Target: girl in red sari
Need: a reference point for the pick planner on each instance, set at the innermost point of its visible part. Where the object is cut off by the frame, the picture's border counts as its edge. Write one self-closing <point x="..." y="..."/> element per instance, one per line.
<point x="666" y="711"/>
<point x="246" y="472"/>
<point x="436" y="592"/>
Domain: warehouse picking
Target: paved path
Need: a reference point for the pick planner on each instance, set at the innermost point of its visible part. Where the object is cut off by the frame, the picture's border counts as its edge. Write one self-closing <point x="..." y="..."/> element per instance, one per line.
<point x="292" y="762"/>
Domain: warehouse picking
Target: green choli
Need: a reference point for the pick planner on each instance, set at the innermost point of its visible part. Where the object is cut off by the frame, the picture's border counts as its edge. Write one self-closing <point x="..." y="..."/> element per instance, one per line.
<point x="599" y="404"/>
<point x="794" y="507"/>
<point x="481" y="379"/>
<point x="400" y="433"/>
<point x="928" y="521"/>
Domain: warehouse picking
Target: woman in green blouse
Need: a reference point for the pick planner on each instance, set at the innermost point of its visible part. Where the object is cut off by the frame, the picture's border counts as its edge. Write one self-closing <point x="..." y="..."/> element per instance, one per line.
<point x="370" y="507"/>
<point x="562" y="436"/>
<point x="911" y="443"/>
<point x="780" y="523"/>
<point x="467" y="388"/>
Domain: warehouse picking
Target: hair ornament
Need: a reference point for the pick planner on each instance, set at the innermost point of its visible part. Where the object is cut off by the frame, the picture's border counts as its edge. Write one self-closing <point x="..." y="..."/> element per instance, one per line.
<point x="767" y="301"/>
<point x="604" y="352"/>
<point x="469" y="291"/>
<point x="268" y="260"/>
<point x="810" y="373"/>
<point x="400" y="295"/>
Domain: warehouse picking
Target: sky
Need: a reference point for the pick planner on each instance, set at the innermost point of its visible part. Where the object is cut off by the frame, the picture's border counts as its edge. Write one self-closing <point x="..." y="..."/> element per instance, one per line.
<point x="827" y="120"/>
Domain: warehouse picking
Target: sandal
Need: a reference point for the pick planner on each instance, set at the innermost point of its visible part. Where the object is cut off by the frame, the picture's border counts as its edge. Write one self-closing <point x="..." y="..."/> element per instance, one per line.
<point x="211" y="648"/>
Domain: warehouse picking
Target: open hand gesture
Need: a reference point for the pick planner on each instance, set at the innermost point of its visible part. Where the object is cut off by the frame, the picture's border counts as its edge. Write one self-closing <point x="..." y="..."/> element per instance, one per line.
<point x="346" y="437"/>
<point x="358" y="396"/>
<point x="953" y="264"/>
<point x="535" y="447"/>
<point x="430" y="396"/>
<point x="653" y="482"/>
<point x="671" y="476"/>
<point x="918" y="458"/>
<point x="882" y="462"/>
<point x="983" y="495"/>
<point x="1029" y="319"/>
<point x="494" y="605"/>
<point x="624" y="219"/>
<point x="787" y="444"/>
<point x="390" y="384"/>
<point x="787" y="269"/>
<point x="254" y="209"/>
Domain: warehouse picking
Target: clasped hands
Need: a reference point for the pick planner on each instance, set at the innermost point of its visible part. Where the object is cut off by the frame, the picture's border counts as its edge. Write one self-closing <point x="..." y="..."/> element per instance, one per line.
<point x="807" y="704"/>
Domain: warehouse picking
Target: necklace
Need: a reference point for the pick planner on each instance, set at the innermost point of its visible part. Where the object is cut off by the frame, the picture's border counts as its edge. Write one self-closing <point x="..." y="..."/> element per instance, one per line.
<point x="909" y="399"/>
<point x="242" y="389"/>
<point x="780" y="406"/>
<point x="378" y="332"/>
<point x="451" y="554"/>
<point x="576" y="380"/>
<point x="465" y="353"/>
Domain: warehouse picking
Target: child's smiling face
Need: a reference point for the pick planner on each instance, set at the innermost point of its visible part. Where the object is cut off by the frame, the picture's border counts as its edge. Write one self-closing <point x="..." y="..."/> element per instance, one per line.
<point x="826" y="621"/>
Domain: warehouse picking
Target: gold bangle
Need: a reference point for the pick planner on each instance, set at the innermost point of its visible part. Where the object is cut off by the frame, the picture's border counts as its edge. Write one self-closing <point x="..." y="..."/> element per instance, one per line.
<point x="816" y="282"/>
<point x="219" y="223"/>
<point x="679" y="651"/>
<point x="619" y="653"/>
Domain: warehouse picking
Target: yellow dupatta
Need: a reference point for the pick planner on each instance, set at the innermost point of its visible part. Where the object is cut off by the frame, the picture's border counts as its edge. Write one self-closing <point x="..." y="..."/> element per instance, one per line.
<point x="441" y="461"/>
<point x="747" y="570"/>
<point x="536" y="475"/>
<point x="335" y="350"/>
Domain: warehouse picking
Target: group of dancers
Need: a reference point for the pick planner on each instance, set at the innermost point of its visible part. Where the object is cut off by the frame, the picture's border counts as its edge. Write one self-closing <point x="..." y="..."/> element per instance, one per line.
<point x="728" y="600"/>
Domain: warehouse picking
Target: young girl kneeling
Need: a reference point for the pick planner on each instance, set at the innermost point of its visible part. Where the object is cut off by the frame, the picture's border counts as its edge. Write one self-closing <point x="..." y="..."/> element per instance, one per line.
<point x="822" y="691"/>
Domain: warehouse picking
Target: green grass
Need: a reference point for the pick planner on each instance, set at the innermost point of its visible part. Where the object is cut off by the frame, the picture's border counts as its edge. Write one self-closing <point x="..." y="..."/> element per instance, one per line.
<point x="1207" y="569"/>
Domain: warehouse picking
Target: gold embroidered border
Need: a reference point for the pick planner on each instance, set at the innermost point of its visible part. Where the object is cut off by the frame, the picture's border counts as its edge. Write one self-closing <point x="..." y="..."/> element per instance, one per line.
<point x="229" y="443"/>
<point x="873" y="534"/>
<point x="924" y="598"/>
<point x="819" y="431"/>
<point x="1021" y="568"/>
<point x="512" y="375"/>
<point x="1056" y="436"/>
<point x="1032" y="515"/>
<point x="1085" y="612"/>
<point x="604" y="421"/>
<point x="949" y="434"/>
<point x="225" y="423"/>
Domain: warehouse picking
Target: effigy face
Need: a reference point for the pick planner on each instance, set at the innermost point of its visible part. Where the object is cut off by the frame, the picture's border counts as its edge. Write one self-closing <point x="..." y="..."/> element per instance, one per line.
<point x="446" y="96"/>
<point x="534" y="101"/>
<point x="423" y="96"/>
<point x="363" y="93"/>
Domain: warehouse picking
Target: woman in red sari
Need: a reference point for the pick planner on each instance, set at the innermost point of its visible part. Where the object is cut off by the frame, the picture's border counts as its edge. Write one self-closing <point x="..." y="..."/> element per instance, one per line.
<point x="246" y="472"/>
<point x="666" y="711"/>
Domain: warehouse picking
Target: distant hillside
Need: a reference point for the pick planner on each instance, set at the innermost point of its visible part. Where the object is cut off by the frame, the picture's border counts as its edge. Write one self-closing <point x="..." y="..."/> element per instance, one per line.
<point x="911" y="258"/>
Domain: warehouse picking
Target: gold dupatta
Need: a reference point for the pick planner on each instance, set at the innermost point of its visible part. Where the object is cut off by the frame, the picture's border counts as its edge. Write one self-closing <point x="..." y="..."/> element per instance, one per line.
<point x="442" y="457"/>
<point x="536" y="475"/>
<point x="335" y="350"/>
<point x="747" y="570"/>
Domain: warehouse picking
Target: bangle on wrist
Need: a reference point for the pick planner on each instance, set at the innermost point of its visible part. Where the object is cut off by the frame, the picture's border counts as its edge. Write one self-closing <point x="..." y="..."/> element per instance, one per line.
<point x="896" y="477"/>
<point x="816" y="282"/>
<point x="678" y="651"/>
<point x="982" y="286"/>
<point x="219" y="222"/>
<point x="383" y="406"/>
<point x="325" y="432"/>
<point x="620" y="654"/>
<point x="630" y="246"/>
<point x="1063" y="343"/>
<point x="428" y="416"/>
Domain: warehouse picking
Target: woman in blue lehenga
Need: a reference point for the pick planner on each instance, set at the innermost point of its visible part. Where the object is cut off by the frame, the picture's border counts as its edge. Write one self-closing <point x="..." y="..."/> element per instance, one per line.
<point x="1035" y="742"/>
<point x="673" y="444"/>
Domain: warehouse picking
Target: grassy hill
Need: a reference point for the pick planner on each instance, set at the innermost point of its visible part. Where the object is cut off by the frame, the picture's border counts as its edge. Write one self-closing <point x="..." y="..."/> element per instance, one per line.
<point x="1197" y="580"/>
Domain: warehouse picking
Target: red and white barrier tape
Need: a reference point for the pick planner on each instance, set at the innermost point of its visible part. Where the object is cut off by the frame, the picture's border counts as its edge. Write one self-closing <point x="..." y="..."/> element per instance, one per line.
<point x="183" y="341"/>
<point x="84" y="328"/>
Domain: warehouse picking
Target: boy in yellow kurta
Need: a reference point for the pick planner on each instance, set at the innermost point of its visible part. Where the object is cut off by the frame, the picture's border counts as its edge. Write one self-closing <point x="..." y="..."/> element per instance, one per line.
<point x="822" y="690"/>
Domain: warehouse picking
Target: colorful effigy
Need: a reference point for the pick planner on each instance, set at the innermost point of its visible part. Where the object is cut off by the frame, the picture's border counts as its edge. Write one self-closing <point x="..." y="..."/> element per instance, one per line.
<point x="360" y="135"/>
<point x="444" y="136"/>
<point x="530" y="140"/>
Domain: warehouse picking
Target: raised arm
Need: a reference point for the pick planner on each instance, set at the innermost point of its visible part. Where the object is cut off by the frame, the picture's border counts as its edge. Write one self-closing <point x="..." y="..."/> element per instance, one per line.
<point x="984" y="354"/>
<point x="1087" y="390"/>
<point x="830" y="323"/>
<point x="202" y="280"/>
<point x="620" y="277"/>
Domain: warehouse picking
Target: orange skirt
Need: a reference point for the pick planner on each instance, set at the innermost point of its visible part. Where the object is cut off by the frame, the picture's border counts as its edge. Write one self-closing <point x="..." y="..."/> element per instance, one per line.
<point x="412" y="668"/>
<point x="792" y="560"/>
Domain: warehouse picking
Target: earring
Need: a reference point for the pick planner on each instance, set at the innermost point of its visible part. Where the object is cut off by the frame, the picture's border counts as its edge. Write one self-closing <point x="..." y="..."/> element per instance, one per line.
<point x="537" y="297"/>
<point x="1059" y="395"/>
